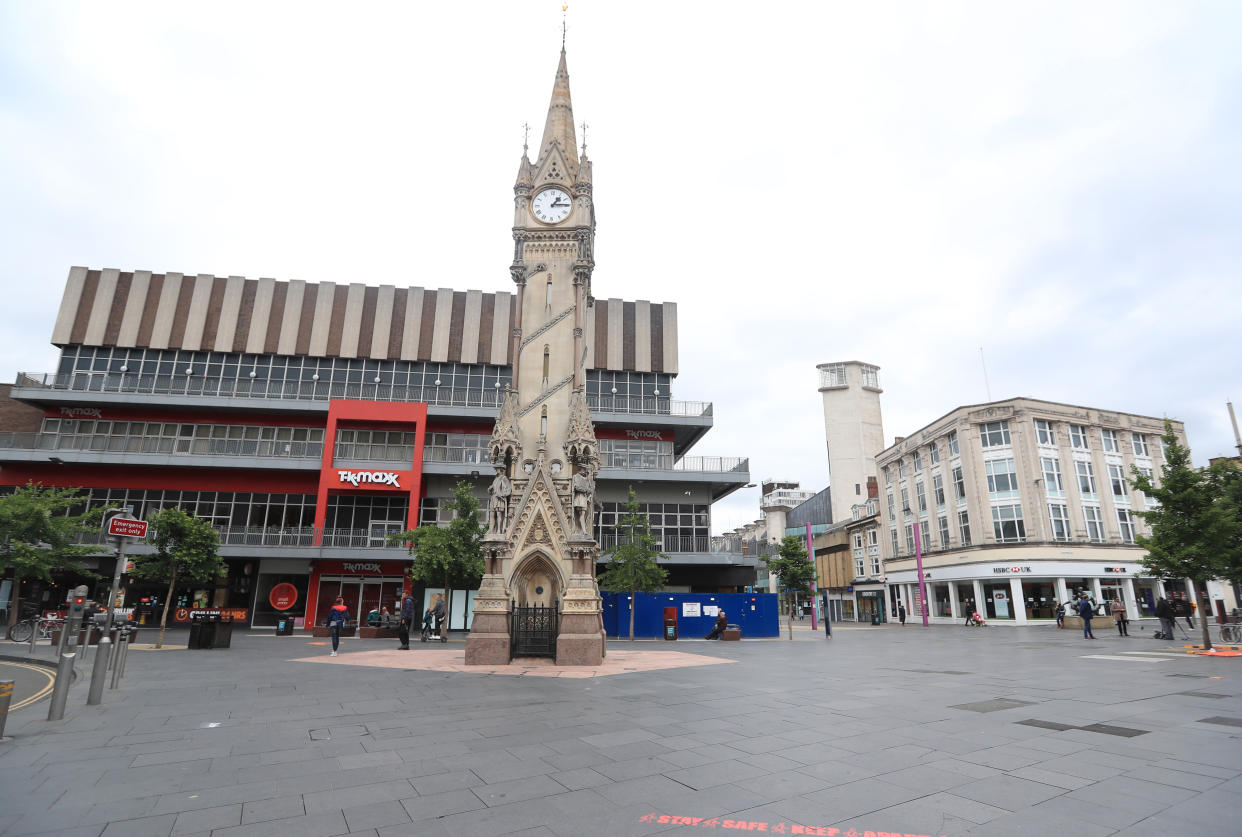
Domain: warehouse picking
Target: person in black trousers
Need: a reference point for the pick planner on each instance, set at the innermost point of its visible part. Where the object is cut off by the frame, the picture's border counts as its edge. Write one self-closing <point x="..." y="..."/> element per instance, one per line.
<point x="901" y="612"/>
<point x="407" y="616"/>
<point x="722" y="622"/>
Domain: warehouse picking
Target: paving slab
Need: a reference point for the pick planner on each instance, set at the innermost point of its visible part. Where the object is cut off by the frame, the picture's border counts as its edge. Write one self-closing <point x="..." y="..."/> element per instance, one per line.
<point x="920" y="731"/>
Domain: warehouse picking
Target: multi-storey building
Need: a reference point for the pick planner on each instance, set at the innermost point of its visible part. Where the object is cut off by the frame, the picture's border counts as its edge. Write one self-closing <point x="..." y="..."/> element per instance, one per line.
<point x="853" y="430"/>
<point x="1019" y="504"/>
<point x="308" y="422"/>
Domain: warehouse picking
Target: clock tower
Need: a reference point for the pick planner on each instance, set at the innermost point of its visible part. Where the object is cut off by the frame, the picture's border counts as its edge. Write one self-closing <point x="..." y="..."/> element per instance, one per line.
<point x="540" y="550"/>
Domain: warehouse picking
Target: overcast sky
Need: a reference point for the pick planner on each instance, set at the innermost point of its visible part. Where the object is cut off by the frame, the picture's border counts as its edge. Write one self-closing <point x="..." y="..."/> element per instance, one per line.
<point x="1057" y="184"/>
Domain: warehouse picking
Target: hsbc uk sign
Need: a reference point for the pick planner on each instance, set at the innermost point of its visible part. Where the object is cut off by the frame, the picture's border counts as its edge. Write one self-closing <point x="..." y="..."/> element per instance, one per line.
<point x="356" y="478"/>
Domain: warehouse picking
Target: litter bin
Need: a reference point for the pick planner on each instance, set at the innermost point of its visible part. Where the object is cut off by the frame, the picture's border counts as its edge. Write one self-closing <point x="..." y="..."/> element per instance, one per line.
<point x="875" y="619"/>
<point x="203" y="630"/>
<point x="670" y="623"/>
<point x="284" y="626"/>
<point x="223" y="636"/>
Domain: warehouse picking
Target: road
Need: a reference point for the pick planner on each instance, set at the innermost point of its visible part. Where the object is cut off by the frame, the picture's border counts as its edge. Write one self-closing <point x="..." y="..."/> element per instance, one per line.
<point x="31" y="683"/>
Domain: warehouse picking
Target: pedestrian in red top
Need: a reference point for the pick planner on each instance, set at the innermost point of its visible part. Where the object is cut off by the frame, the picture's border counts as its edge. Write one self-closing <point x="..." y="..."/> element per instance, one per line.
<point x="337" y="617"/>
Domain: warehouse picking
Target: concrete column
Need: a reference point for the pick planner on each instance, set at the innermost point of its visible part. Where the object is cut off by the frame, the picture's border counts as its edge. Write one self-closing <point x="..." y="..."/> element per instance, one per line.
<point x="1017" y="600"/>
<point x="1127" y="595"/>
<point x="1096" y="593"/>
<point x="980" y="604"/>
<point x="1062" y="591"/>
<point x="953" y="608"/>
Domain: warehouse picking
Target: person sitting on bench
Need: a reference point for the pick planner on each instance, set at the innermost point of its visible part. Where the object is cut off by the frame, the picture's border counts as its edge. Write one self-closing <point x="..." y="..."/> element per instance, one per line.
<point x="722" y="622"/>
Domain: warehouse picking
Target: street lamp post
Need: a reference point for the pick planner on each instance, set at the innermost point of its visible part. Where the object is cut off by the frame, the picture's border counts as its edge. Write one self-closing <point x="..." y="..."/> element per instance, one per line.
<point x="810" y="556"/>
<point x="918" y="563"/>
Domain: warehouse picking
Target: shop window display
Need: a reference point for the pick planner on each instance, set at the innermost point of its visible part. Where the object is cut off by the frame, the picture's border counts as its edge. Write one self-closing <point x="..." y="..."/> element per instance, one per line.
<point x="1039" y="597"/>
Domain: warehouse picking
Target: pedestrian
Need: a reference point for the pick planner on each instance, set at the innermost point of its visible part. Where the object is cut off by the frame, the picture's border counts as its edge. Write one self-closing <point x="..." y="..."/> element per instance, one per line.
<point x="1164" y="612"/>
<point x="1190" y="614"/>
<point x="337" y="617"/>
<point x="438" y="612"/>
<point x="1060" y="614"/>
<point x="1086" y="611"/>
<point x="1121" y="617"/>
<point x="901" y="612"/>
<point x="407" y="619"/>
<point x="722" y="622"/>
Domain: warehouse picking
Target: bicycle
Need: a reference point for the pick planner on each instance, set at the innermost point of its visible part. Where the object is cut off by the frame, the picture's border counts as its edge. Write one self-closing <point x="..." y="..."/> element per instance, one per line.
<point x="45" y="625"/>
<point x="1231" y="633"/>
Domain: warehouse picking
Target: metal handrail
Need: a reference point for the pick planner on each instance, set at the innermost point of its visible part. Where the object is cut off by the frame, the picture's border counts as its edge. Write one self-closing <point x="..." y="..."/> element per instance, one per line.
<point x="298" y="390"/>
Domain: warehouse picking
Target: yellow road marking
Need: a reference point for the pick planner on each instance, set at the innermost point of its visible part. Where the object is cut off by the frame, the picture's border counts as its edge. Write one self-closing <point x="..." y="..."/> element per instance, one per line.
<point x="51" y="681"/>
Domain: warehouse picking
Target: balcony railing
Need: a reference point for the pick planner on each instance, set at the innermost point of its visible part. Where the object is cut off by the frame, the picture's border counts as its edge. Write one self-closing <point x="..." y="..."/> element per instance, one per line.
<point x="161" y="444"/>
<point x="669" y="544"/>
<point x="282" y="536"/>
<point x="200" y="385"/>
<point x="363" y="452"/>
<point x="666" y="462"/>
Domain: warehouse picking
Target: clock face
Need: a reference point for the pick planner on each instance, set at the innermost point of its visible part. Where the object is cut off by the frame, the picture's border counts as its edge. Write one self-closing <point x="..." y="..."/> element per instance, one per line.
<point x="551" y="205"/>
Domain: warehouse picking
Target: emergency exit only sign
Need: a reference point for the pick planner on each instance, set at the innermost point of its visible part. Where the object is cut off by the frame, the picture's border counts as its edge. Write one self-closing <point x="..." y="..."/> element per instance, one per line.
<point x="122" y="527"/>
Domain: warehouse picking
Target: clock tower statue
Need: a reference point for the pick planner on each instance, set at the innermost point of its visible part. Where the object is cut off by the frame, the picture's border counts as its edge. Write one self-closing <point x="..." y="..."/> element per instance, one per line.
<point x="538" y="594"/>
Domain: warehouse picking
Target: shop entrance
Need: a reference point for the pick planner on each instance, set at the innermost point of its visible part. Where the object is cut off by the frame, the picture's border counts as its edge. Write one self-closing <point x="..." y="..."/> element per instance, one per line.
<point x="361" y="595"/>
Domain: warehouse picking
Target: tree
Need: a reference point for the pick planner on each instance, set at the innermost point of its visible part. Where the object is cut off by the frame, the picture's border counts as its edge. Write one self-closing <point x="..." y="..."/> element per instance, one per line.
<point x="792" y="570"/>
<point x="451" y="554"/>
<point x="39" y="532"/>
<point x="185" y="548"/>
<point x="1196" y="532"/>
<point x="632" y="567"/>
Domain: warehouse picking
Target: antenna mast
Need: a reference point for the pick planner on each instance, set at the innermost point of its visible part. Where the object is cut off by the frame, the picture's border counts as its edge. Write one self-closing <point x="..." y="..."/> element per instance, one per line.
<point x="986" y="384"/>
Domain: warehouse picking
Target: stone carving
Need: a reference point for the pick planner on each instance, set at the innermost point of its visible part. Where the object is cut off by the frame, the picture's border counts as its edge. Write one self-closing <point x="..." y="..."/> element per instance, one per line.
<point x="538" y="532"/>
<point x="498" y="506"/>
<point x="584" y="500"/>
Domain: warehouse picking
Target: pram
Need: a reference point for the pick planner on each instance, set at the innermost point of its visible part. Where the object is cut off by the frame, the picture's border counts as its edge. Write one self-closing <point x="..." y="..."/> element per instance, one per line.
<point x="976" y="620"/>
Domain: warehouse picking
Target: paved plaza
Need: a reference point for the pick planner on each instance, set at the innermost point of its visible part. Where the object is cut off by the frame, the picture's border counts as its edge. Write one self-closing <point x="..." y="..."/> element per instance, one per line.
<point x="880" y="730"/>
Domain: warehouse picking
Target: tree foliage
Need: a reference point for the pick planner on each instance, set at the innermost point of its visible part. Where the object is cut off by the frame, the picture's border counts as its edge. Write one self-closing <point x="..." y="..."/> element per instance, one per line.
<point x="632" y="566"/>
<point x="1196" y="530"/>
<point x="40" y="530"/>
<point x="451" y="555"/>
<point x="186" y="548"/>
<point x="792" y="569"/>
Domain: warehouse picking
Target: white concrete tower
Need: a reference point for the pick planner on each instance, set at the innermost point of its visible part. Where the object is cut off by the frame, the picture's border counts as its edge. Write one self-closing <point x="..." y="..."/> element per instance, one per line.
<point x="853" y="428"/>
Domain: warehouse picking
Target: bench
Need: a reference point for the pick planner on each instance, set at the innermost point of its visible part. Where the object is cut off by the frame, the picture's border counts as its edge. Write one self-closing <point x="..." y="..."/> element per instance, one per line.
<point x="376" y="632"/>
<point x="733" y="633"/>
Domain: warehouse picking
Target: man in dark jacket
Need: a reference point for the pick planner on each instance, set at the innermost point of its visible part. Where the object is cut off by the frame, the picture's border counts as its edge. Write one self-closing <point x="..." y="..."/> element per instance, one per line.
<point x="1086" y="611"/>
<point x="722" y="622"/>
<point x="1164" y="612"/>
<point x="407" y="618"/>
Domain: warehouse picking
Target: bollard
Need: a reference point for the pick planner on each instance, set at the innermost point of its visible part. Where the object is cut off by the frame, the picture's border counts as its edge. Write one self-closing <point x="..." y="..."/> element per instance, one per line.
<point x="99" y="672"/>
<point x="60" y="692"/>
<point x="33" y="636"/>
<point x="124" y="653"/>
<point x="6" y="697"/>
<point x="118" y="661"/>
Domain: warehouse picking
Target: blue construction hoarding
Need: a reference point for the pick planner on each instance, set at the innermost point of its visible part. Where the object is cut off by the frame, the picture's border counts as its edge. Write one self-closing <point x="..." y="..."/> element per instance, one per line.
<point x="755" y="613"/>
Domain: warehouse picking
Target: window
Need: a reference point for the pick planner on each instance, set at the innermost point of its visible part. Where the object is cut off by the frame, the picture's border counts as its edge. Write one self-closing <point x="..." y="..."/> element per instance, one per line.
<point x="858" y="543"/>
<point x="873" y="538"/>
<point x="938" y="490"/>
<point x="959" y="484"/>
<point x="1002" y="478"/>
<point x="892" y="513"/>
<point x="859" y="567"/>
<point x="921" y="495"/>
<point x="1147" y="472"/>
<point x="918" y="462"/>
<point x="963" y="526"/>
<point x="1086" y="477"/>
<point x="901" y="469"/>
<point x="994" y="434"/>
<point x="1126" y="524"/>
<point x="952" y="443"/>
<point x="942" y="523"/>
<point x="1052" y="476"/>
<point x="924" y="534"/>
<point x="1007" y="524"/>
<point x="1095" y="523"/>
<point x="1164" y="448"/>
<point x="1059" y="516"/>
<point x="1117" y="479"/>
<point x="1043" y="432"/>
<point x="832" y="375"/>
<point x="1108" y="438"/>
<point x="933" y="454"/>
<point x="875" y="566"/>
<point x="888" y="476"/>
<point x="905" y="499"/>
<point x="871" y="376"/>
<point x="1078" y="436"/>
<point x="893" y="532"/>
<point x="1139" y="443"/>
<point x="910" y="538"/>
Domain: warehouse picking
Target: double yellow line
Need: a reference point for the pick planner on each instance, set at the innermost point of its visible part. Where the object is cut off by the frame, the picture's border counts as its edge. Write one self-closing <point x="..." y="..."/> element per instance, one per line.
<point x="51" y="681"/>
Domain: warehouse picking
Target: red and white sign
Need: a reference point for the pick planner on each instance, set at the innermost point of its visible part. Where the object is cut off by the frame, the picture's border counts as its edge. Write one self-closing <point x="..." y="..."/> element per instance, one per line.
<point x="660" y="435"/>
<point x="373" y="480"/>
<point x="123" y="527"/>
<point x="283" y="596"/>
